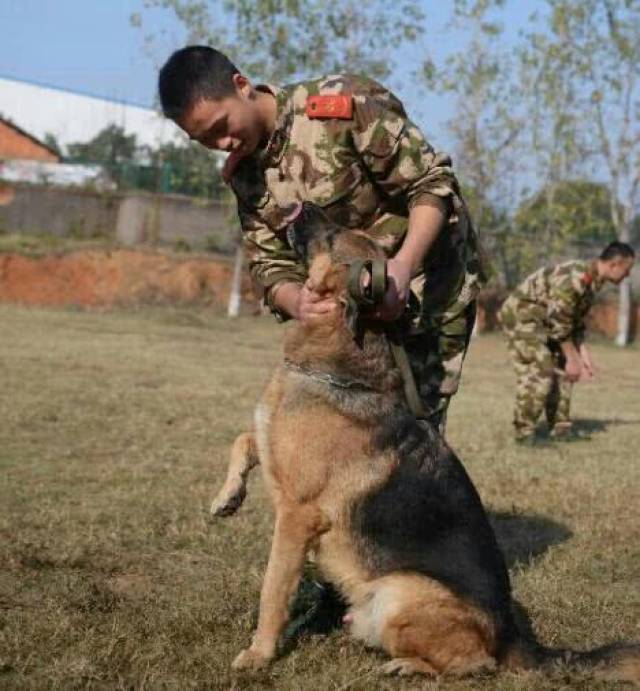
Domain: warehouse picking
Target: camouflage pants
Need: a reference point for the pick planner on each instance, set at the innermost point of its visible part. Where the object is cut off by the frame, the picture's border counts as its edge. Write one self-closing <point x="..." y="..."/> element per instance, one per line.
<point x="436" y="358"/>
<point x="539" y="385"/>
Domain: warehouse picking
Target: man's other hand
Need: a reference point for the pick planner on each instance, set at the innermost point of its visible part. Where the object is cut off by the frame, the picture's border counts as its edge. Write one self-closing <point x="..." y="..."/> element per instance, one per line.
<point x="573" y="369"/>
<point x="395" y="299"/>
<point x="588" y="371"/>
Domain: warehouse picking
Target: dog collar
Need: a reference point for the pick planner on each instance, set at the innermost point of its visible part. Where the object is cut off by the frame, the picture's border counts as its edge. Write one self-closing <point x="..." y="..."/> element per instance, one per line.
<point x="327" y="377"/>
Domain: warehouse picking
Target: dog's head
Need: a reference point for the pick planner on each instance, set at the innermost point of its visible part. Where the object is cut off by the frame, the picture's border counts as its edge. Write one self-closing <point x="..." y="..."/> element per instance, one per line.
<point x="310" y="231"/>
<point x="331" y="253"/>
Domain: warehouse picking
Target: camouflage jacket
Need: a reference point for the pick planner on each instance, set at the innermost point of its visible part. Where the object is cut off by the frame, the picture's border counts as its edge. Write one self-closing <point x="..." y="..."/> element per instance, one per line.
<point x="367" y="168"/>
<point x="552" y="302"/>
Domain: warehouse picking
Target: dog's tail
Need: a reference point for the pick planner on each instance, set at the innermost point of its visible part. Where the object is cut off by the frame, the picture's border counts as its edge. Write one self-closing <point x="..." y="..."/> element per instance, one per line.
<point x="614" y="662"/>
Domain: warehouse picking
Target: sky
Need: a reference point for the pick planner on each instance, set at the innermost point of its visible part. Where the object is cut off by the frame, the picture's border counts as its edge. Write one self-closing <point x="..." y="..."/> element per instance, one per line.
<point x="90" y="46"/>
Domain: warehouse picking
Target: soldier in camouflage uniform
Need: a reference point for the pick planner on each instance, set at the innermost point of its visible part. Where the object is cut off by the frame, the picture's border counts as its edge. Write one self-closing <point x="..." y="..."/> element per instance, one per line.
<point x="544" y="321"/>
<point x="346" y="144"/>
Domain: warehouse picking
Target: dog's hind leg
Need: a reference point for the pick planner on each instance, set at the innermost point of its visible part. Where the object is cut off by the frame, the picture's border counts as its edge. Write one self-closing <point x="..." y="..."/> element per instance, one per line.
<point x="295" y="528"/>
<point x="451" y="636"/>
<point x="424" y="626"/>
<point x="244" y="457"/>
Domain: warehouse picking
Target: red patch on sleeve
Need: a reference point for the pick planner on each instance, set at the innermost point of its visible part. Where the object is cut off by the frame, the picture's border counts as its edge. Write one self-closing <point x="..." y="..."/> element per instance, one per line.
<point x="330" y="106"/>
<point x="587" y="279"/>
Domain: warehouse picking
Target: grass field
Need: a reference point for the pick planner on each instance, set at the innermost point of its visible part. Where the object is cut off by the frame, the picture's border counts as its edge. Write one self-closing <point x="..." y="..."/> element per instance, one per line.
<point x="114" y="430"/>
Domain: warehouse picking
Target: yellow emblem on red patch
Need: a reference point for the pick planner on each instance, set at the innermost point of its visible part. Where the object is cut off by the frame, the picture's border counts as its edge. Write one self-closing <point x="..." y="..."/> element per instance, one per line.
<point x="330" y="106"/>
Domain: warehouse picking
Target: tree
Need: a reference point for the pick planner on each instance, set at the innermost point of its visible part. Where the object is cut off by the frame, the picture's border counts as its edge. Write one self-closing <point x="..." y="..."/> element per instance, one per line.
<point x="280" y="39"/>
<point x="554" y="147"/>
<point x="487" y="128"/>
<point x="580" y="212"/>
<point x="51" y="141"/>
<point x="594" y="48"/>
<point x="187" y="169"/>
<point x="110" y="147"/>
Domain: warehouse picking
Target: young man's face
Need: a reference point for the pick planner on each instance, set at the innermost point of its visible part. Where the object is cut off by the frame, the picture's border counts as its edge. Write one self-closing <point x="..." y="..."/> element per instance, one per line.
<point x="230" y="124"/>
<point x="619" y="268"/>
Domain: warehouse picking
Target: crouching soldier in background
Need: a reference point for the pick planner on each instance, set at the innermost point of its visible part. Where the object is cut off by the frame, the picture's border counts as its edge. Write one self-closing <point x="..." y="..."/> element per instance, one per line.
<point x="544" y="321"/>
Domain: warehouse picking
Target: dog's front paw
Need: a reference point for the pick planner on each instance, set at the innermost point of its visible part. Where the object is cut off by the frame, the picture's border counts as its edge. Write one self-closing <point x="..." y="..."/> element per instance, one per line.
<point x="251" y="659"/>
<point x="407" y="666"/>
<point x="229" y="500"/>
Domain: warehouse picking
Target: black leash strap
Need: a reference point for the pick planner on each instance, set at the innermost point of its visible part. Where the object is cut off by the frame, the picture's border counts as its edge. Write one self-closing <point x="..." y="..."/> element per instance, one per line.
<point x="372" y="293"/>
<point x="362" y="293"/>
<point x="402" y="363"/>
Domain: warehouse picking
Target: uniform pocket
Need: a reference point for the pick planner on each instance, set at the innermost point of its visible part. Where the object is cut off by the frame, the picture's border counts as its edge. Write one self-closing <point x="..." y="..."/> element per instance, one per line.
<point x="348" y="197"/>
<point x="332" y="188"/>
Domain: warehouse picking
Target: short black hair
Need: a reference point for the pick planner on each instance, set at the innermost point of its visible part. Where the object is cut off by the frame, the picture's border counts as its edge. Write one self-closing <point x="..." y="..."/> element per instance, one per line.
<point x="617" y="249"/>
<point x="191" y="74"/>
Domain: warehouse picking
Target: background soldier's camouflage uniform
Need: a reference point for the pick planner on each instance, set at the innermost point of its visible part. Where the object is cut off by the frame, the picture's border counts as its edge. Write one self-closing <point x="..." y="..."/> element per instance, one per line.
<point x="548" y="307"/>
<point x="367" y="172"/>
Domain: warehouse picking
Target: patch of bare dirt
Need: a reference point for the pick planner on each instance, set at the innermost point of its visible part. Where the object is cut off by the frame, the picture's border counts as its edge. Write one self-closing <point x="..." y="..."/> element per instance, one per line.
<point x="103" y="279"/>
<point x="111" y="278"/>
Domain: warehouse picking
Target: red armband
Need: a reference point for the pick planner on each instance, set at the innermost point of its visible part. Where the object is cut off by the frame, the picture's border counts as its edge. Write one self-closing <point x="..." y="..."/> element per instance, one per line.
<point x="330" y="106"/>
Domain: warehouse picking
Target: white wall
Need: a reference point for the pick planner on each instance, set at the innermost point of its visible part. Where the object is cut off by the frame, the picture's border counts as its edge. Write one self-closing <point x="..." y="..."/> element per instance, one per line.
<point x="74" y="117"/>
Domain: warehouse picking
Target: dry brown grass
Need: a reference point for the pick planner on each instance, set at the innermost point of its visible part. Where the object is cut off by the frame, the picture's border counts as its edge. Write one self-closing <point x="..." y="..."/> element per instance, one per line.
<point x="114" y="431"/>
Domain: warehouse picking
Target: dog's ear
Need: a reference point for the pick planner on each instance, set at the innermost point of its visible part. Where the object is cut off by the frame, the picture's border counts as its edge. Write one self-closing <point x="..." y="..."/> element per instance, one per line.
<point x="310" y="231"/>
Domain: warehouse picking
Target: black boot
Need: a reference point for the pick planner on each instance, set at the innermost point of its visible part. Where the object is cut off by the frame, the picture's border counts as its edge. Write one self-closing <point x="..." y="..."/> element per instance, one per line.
<point x="317" y="608"/>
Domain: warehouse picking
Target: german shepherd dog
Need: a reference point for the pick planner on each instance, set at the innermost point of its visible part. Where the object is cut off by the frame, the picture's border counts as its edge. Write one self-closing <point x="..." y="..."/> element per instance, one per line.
<point x="393" y="520"/>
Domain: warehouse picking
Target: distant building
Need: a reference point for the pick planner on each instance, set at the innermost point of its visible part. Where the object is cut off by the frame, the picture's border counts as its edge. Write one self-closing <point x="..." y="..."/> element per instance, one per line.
<point x="15" y="143"/>
<point x="74" y="117"/>
<point x="24" y="158"/>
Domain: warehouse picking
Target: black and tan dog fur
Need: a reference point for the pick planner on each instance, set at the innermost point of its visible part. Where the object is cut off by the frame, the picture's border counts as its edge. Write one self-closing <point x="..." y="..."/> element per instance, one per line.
<point x="389" y="512"/>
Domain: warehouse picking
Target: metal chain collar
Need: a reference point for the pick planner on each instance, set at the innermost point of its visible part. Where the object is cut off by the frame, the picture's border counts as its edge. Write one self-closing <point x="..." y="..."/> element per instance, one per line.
<point x="327" y="377"/>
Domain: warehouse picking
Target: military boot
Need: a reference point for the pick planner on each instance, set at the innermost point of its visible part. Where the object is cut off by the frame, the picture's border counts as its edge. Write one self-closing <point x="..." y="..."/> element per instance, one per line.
<point x="317" y="607"/>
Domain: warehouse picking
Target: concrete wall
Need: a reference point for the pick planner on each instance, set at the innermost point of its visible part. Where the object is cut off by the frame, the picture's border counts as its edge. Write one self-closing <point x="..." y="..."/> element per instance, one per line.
<point x="129" y="219"/>
<point x="174" y="219"/>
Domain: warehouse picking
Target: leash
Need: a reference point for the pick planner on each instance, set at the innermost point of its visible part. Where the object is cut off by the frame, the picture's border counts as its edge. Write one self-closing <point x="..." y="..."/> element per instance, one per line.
<point x="368" y="296"/>
<point x="408" y="380"/>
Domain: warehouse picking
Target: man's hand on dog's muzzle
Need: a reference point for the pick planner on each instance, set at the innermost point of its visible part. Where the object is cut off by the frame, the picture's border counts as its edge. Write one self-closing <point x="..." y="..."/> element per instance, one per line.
<point x="313" y="305"/>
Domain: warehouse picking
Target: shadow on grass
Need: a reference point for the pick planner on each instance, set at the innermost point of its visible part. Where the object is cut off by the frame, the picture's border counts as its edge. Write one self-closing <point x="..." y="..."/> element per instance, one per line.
<point x="589" y="426"/>
<point x="522" y="538"/>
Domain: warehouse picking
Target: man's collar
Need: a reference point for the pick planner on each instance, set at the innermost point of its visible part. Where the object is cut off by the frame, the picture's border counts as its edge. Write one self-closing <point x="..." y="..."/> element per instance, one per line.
<point x="596" y="280"/>
<point x="274" y="150"/>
